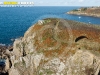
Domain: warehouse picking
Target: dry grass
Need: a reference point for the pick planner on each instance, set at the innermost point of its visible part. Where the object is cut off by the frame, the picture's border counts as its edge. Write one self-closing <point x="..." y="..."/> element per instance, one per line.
<point x="48" y="40"/>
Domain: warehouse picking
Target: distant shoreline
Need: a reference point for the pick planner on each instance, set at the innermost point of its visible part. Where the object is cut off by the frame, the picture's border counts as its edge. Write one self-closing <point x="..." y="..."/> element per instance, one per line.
<point x="86" y="11"/>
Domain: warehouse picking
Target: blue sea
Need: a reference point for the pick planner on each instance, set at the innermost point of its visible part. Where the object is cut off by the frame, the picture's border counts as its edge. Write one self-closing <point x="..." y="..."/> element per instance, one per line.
<point x="14" y="21"/>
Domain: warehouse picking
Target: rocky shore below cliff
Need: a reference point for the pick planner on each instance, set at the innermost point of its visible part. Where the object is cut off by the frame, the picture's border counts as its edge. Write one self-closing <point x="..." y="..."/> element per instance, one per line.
<point x="86" y="11"/>
<point x="54" y="47"/>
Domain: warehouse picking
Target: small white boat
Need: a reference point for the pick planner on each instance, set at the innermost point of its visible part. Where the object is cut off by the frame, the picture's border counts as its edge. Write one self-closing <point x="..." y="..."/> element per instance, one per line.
<point x="79" y="17"/>
<point x="89" y="22"/>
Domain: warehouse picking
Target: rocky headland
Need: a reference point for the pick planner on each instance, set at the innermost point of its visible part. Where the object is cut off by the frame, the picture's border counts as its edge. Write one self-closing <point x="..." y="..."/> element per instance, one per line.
<point x="55" y="47"/>
<point x="86" y="11"/>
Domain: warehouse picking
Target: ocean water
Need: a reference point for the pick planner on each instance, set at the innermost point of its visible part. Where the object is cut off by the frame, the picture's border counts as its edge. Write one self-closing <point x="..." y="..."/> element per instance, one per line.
<point x="14" y="21"/>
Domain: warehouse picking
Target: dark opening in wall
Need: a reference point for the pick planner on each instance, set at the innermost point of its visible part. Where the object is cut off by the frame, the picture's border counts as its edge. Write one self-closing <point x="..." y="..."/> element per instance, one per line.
<point x="79" y="38"/>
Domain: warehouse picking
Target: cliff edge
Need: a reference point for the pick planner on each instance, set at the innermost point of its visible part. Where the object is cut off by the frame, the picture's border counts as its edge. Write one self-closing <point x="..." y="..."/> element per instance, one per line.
<point x="57" y="47"/>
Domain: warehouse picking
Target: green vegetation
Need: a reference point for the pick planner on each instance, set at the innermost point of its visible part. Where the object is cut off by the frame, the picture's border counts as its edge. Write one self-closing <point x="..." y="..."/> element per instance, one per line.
<point x="41" y="73"/>
<point x="47" y="21"/>
<point x="83" y="9"/>
<point x="75" y="10"/>
<point x="23" y="63"/>
<point x="49" y="72"/>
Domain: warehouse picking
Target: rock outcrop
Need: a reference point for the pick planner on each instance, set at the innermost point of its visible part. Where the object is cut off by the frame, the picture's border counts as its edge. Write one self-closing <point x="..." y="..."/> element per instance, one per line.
<point x="5" y="62"/>
<point x="57" y="47"/>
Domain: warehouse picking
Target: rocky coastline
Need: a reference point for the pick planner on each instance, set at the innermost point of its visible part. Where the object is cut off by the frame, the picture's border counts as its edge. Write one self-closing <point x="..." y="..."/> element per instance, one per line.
<point x="86" y="11"/>
<point x="54" y="47"/>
